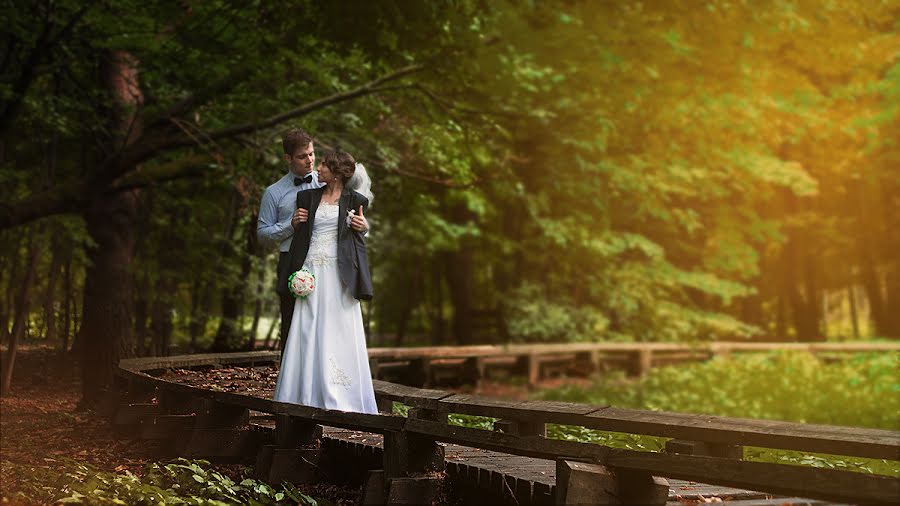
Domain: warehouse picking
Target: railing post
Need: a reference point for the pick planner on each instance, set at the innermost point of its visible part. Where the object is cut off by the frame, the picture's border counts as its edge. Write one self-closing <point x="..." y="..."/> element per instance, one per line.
<point x="534" y="369"/>
<point x="473" y="371"/>
<point x="643" y="361"/>
<point x="407" y="459"/>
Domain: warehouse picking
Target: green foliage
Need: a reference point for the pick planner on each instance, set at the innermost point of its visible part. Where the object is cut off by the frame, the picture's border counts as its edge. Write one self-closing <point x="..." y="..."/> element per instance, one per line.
<point x="534" y="317"/>
<point x="859" y="391"/>
<point x="179" y="482"/>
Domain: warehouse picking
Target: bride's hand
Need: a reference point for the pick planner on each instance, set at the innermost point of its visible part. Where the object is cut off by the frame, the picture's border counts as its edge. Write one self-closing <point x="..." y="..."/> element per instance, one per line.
<point x="358" y="222"/>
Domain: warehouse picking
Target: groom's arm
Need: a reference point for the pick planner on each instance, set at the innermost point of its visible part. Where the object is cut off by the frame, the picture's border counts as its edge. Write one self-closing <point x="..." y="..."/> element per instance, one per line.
<point x="269" y="231"/>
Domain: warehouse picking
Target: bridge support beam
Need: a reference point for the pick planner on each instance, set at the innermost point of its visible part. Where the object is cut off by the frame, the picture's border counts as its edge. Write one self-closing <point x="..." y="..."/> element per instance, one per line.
<point x="287" y="459"/>
<point x="586" y="483"/>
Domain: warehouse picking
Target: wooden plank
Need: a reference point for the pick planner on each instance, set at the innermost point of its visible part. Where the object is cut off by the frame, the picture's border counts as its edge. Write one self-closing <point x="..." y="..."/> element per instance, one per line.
<point x="778" y="478"/>
<point x="526" y="411"/>
<point x="200" y="359"/>
<point x="859" y="442"/>
<point x="411" y="396"/>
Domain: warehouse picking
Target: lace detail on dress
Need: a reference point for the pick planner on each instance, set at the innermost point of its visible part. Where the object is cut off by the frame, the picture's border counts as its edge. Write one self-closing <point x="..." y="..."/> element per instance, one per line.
<point x="338" y="376"/>
<point x="323" y="246"/>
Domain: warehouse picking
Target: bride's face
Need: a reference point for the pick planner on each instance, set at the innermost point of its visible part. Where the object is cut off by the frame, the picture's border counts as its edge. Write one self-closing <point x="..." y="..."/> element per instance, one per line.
<point x="325" y="174"/>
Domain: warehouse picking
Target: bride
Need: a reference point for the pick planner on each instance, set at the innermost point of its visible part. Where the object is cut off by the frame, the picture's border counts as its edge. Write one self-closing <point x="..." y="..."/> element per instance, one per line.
<point x="325" y="363"/>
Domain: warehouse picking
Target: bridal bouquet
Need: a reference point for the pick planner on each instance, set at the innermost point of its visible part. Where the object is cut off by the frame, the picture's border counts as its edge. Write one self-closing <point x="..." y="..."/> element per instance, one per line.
<point x="301" y="283"/>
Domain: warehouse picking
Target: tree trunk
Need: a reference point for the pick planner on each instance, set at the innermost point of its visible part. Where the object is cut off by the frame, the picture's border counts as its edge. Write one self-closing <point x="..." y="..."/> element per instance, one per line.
<point x="270" y="333"/>
<point x="257" y="311"/>
<point x="112" y="219"/>
<point x="459" y="282"/>
<point x="21" y="316"/>
<point x="854" y="314"/>
<point x="51" y="300"/>
<point x="9" y="311"/>
<point x="437" y="304"/>
<point x="141" y="317"/>
<point x="200" y="299"/>
<point x="68" y="301"/>
<point x="107" y="329"/>
<point x="161" y="324"/>
<point x="228" y="333"/>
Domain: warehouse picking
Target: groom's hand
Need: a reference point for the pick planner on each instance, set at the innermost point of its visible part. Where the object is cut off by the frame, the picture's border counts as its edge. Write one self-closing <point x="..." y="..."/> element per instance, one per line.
<point x="300" y="216"/>
<point x="358" y="222"/>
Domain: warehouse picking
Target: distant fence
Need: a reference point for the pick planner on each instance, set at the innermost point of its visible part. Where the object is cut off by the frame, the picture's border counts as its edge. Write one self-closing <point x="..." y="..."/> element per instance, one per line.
<point x="703" y="448"/>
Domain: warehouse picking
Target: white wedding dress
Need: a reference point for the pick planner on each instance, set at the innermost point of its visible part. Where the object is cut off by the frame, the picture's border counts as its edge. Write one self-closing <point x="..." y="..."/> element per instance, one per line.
<point x="325" y="363"/>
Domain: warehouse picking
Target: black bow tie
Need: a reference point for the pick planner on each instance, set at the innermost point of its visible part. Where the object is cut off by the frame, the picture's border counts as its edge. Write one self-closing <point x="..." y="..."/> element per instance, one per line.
<point x="300" y="180"/>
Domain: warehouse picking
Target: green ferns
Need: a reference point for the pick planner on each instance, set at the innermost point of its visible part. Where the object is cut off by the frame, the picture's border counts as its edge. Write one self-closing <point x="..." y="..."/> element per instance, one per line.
<point x="179" y="482"/>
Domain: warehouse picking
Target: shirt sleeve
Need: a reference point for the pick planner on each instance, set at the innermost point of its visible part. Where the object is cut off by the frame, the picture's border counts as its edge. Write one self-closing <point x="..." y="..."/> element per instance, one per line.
<point x="269" y="232"/>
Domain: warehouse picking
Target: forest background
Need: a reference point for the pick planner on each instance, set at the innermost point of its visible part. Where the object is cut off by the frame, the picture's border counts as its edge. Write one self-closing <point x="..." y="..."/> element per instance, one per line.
<point x="543" y="171"/>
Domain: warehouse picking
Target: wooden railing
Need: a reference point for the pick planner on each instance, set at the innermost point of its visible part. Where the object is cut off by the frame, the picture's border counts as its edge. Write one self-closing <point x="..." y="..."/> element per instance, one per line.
<point x="420" y="366"/>
<point x="704" y="448"/>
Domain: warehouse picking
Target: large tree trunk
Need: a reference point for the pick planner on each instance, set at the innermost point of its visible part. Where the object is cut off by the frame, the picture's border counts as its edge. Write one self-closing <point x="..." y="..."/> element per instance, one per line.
<point x="107" y="333"/>
<point x="229" y="334"/>
<point x="21" y="317"/>
<point x="107" y="328"/>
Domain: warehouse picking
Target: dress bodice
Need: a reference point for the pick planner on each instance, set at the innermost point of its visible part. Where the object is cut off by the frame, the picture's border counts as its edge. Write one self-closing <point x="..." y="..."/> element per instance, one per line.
<point x="323" y="245"/>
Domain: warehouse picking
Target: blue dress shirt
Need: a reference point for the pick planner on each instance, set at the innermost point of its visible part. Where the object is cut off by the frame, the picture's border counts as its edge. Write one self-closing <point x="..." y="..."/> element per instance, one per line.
<point x="278" y="205"/>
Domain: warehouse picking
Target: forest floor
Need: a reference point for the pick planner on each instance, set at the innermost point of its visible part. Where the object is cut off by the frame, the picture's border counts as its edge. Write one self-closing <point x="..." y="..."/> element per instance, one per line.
<point x="44" y="433"/>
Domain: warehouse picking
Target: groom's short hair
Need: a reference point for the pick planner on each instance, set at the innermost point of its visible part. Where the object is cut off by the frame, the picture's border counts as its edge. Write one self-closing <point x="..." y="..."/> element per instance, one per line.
<point x="293" y="139"/>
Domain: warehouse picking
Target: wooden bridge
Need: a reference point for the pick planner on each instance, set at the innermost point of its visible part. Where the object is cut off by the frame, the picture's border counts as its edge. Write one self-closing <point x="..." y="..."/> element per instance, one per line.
<point x="423" y="459"/>
<point x="430" y="366"/>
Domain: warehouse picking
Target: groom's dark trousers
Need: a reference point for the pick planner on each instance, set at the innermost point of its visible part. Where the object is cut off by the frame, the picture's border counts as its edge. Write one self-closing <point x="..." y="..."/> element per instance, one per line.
<point x="285" y="298"/>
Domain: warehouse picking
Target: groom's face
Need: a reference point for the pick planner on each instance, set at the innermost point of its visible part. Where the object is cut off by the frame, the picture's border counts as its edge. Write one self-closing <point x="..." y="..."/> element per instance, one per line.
<point x="303" y="160"/>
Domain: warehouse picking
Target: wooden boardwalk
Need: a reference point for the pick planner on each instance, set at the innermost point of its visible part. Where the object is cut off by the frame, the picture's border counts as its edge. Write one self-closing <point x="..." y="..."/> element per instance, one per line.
<point x="224" y="410"/>
<point x="498" y="478"/>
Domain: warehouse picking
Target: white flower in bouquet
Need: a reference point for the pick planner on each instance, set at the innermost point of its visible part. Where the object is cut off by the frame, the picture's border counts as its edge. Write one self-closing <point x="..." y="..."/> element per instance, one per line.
<point x="301" y="283"/>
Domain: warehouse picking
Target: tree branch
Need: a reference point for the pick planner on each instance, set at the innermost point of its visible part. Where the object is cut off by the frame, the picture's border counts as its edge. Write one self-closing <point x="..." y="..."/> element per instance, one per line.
<point x="171" y="143"/>
<point x="189" y="166"/>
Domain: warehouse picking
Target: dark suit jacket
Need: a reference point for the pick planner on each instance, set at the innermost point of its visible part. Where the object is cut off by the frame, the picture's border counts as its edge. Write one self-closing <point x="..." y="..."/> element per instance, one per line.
<point x="353" y="262"/>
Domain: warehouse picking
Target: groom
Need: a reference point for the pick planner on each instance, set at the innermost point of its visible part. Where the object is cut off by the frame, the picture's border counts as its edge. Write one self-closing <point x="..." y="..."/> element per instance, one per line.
<point x="278" y="213"/>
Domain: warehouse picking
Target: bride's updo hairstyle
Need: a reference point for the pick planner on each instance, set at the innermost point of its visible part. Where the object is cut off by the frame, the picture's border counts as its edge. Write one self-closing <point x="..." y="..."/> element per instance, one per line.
<point x="340" y="164"/>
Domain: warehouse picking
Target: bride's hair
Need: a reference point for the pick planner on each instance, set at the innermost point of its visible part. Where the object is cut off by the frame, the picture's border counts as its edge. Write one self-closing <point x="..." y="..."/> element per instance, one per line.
<point x="340" y="164"/>
<point x="353" y="174"/>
